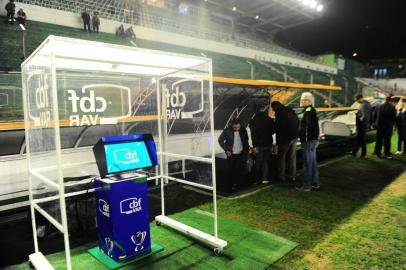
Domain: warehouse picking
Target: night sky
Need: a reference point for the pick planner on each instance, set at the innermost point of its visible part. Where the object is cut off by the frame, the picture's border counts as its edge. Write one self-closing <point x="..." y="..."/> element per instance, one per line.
<point x="372" y="28"/>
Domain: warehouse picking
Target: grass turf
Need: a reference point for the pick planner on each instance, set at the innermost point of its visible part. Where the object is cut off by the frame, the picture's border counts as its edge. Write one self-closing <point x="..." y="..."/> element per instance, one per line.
<point x="357" y="220"/>
<point x="248" y="248"/>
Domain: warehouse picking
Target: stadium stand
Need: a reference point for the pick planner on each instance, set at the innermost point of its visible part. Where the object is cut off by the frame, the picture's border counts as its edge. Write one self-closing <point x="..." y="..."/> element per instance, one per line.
<point x="154" y="17"/>
<point x="170" y="20"/>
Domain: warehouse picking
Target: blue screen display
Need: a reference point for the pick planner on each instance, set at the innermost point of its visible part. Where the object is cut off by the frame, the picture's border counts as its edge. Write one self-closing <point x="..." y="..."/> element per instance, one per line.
<point x="126" y="156"/>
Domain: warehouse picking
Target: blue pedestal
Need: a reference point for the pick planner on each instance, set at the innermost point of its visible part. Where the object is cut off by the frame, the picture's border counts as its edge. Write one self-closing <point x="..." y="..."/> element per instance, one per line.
<point x="123" y="217"/>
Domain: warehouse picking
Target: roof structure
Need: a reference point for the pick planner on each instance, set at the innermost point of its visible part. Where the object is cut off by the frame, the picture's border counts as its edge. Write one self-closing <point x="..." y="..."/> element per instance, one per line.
<point x="265" y="15"/>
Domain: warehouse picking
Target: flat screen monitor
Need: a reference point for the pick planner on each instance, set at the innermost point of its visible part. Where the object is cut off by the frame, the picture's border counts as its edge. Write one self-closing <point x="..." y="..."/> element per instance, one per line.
<point x="118" y="154"/>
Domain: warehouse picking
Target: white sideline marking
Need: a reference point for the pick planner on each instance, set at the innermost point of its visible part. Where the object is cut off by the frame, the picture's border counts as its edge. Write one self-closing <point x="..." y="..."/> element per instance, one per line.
<point x="249" y="193"/>
<point x="201" y="191"/>
<point x="300" y="172"/>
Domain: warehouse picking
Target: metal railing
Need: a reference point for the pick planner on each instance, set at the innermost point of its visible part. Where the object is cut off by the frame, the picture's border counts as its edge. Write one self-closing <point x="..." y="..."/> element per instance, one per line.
<point x="171" y="21"/>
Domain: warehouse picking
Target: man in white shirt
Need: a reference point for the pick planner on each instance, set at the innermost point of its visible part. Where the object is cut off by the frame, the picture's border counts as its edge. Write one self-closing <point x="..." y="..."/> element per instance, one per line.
<point x="234" y="141"/>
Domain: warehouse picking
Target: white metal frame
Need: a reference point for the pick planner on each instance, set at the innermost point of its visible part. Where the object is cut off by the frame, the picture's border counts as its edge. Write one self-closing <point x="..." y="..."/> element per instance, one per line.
<point x="212" y="240"/>
<point x="37" y="259"/>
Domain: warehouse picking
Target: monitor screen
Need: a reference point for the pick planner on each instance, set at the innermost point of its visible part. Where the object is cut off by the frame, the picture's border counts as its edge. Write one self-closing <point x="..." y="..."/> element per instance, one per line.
<point x="118" y="154"/>
<point x="126" y="156"/>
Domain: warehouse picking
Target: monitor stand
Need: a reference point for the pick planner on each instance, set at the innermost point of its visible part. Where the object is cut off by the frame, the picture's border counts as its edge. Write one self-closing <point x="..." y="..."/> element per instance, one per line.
<point x="123" y="176"/>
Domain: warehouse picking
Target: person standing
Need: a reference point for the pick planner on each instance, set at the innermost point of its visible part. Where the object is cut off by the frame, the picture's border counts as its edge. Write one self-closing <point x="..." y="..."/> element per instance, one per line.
<point x="262" y="128"/>
<point x="401" y="128"/>
<point x="287" y="132"/>
<point x="309" y="138"/>
<point x="384" y="122"/>
<point x="86" y="20"/>
<point x="96" y="22"/>
<point x="21" y="16"/>
<point x="234" y="141"/>
<point x="362" y="121"/>
<point x="11" y="9"/>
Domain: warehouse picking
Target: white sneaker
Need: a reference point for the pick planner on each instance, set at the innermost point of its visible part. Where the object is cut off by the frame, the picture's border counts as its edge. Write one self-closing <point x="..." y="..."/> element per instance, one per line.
<point x="265" y="182"/>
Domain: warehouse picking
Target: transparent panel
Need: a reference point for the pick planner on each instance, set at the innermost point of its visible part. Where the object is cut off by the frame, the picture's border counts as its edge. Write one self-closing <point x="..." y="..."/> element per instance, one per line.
<point x="41" y="121"/>
<point x="186" y="122"/>
<point x="102" y="104"/>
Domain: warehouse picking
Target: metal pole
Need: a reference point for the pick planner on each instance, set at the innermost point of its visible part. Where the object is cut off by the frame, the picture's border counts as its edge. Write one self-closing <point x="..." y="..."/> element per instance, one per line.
<point x="24" y="54"/>
<point x="58" y="147"/>
<point x="330" y="94"/>
<point x="345" y="91"/>
<point x="311" y="78"/>
<point x="160" y="114"/>
<point x="24" y="30"/>
<point x="213" y="155"/>
<point x="252" y="70"/>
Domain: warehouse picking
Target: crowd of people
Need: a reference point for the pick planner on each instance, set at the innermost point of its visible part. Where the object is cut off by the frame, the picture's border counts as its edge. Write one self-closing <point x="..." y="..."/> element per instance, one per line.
<point x="288" y="129"/>
<point x="95" y="20"/>
<point x="383" y="118"/>
<point x="279" y="137"/>
<point x="126" y="33"/>
<point x="11" y="10"/>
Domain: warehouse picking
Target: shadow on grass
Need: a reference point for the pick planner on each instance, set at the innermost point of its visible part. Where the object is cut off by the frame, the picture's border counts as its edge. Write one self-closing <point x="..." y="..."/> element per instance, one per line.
<point x="307" y="217"/>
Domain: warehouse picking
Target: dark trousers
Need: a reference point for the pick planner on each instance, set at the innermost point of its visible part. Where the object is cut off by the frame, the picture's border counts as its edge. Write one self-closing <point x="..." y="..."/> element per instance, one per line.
<point x="237" y="167"/>
<point x="21" y="21"/>
<point x="96" y="27"/>
<point x="402" y="140"/>
<point x="286" y="159"/>
<point x="383" y="137"/>
<point x="361" y="142"/>
<point x="262" y="163"/>
<point x="86" y="24"/>
<point x="10" y="17"/>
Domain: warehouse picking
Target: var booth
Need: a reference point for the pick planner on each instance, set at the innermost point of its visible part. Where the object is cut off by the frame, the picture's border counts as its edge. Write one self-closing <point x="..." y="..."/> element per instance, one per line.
<point x="120" y="91"/>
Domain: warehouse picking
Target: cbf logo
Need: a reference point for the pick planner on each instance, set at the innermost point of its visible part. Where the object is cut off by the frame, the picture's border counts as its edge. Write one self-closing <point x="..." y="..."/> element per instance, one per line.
<point x="104" y="208"/>
<point x="130" y="206"/>
<point x="126" y="156"/>
<point x="41" y="115"/>
<point x="91" y="104"/>
<point x="180" y="105"/>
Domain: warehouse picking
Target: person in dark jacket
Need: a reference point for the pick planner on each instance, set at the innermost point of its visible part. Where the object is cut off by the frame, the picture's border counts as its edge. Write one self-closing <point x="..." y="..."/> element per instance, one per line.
<point x="362" y="121"/>
<point x="384" y="122"/>
<point x="11" y="10"/>
<point x="309" y="138"/>
<point x="262" y="128"/>
<point x="120" y="31"/>
<point x="86" y="21"/>
<point x="287" y="132"/>
<point x="401" y="128"/>
<point x="21" y="16"/>
<point x="95" y="22"/>
<point x="234" y="141"/>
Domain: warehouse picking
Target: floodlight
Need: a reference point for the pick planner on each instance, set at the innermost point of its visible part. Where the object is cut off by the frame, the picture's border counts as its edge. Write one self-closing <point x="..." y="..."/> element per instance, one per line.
<point x="355" y="54"/>
<point x="319" y="8"/>
<point x="234" y="8"/>
<point x="313" y="4"/>
<point x="306" y="2"/>
<point x="257" y="17"/>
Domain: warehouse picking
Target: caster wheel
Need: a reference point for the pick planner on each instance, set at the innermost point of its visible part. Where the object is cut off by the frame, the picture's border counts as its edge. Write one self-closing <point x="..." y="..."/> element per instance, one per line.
<point x="218" y="251"/>
<point x="158" y="223"/>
